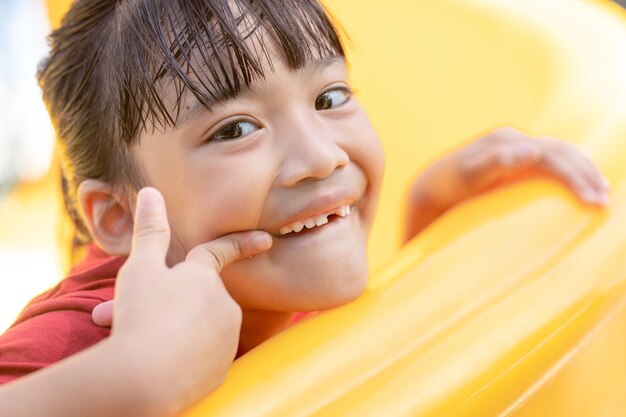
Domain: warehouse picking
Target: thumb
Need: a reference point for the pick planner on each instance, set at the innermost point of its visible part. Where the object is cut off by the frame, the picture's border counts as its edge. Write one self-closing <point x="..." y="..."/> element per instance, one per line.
<point x="229" y="248"/>
<point x="151" y="234"/>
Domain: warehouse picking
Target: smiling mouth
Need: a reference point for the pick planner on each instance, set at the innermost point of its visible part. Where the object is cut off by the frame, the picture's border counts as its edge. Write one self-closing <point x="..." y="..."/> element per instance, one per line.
<point x="314" y="222"/>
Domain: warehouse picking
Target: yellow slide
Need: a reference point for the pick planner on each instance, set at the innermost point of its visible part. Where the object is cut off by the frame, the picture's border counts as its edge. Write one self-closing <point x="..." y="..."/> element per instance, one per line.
<point x="513" y="304"/>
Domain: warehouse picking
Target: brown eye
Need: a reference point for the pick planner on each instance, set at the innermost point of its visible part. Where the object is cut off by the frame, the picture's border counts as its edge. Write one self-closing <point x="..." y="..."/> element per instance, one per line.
<point x="331" y="99"/>
<point x="233" y="131"/>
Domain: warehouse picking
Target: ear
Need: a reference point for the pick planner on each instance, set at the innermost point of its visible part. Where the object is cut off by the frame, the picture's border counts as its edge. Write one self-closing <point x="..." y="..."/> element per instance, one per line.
<point x="107" y="216"/>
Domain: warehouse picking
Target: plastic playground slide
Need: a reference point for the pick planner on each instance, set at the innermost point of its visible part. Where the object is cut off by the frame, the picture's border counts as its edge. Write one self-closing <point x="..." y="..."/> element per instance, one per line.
<point x="513" y="304"/>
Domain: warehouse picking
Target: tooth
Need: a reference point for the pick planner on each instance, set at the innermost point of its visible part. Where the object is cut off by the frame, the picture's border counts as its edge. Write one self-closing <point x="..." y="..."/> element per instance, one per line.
<point x="297" y="226"/>
<point x="309" y="223"/>
<point x="348" y="210"/>
<point x="320" y="220"/>
<point x="284" y="230"/>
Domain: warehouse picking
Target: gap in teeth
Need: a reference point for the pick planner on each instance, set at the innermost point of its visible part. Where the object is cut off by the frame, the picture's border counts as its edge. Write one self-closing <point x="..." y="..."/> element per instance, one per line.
<point x="312" y="222"/>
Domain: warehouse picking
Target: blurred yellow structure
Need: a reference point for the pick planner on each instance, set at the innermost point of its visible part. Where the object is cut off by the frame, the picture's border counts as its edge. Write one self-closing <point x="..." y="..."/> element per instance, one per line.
<point x="511" y="305"/>
<point x="30" y="227"/>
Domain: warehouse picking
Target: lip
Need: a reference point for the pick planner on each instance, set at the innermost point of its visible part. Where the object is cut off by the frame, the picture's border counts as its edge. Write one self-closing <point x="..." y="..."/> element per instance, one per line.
<point x="325" y="203"/>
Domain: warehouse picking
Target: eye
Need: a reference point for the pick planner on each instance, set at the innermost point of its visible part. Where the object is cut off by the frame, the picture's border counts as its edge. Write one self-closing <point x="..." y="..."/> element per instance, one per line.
<point x="332" y="98"/>
<point x="233" y="131"/>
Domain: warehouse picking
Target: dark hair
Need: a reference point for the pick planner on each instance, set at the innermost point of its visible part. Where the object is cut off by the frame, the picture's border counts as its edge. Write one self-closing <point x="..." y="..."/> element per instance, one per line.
<point x="110" y="60"/>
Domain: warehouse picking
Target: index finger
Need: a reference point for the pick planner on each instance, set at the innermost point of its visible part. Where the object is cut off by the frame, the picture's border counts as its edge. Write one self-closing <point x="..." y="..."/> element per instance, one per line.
<point x="151" y="232"/>
<point x="229" y="248"/>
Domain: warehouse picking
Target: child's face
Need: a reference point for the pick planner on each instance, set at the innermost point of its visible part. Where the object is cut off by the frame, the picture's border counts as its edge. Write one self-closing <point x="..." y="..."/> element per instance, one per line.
<point x="294" y="147"/>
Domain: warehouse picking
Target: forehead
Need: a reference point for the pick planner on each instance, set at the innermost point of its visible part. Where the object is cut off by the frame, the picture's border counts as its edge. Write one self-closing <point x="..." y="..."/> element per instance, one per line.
<point x="190" y="107"/>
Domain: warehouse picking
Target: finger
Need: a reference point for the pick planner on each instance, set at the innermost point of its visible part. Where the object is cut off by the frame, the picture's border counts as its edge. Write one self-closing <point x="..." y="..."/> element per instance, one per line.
<point x="151" y="234"/>
<point x="102" y="314"/>
<point x="595" y="183"/>
<point x="505" y="160"/>
<point x="514" y="147"/>
<point x="577" y="170"/>
<point x="564" y="170"/>
<point x="592" y="173"/>
<point x="227" y="249"/>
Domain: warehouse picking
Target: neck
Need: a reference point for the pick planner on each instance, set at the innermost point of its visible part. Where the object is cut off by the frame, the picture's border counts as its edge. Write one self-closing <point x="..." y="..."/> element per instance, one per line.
<point x="259" y="325"/>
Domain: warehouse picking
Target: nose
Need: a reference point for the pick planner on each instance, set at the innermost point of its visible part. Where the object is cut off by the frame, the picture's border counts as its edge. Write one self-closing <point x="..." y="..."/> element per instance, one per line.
<point x="311" y="151"/>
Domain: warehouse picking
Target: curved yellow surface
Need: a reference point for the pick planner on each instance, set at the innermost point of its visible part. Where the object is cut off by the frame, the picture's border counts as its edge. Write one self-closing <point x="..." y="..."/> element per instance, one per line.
<point x="513" y="304"/>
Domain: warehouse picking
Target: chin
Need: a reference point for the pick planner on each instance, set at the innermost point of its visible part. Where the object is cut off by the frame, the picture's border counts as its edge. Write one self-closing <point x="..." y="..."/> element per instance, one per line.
<point x="298" y="284"/>
<point x="345" y="298"/>
<point x="334" y="291"/>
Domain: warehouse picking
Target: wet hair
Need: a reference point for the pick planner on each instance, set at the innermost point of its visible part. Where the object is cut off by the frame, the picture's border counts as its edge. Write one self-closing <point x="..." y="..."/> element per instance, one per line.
<point x="111" y="61"/>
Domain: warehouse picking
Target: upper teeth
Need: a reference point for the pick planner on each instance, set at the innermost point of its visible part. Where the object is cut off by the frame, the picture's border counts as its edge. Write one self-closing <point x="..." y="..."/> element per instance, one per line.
<point x="311" y="222"/>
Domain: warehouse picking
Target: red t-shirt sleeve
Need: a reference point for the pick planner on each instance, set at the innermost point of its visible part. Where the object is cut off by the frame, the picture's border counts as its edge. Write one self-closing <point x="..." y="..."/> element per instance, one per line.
<point x="57" y="323"/>
<point x="44" y="340"/>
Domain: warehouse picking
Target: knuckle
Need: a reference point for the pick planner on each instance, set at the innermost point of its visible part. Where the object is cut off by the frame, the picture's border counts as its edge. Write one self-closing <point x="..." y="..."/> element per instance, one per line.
<point x="217" y="255"/>
<point x="505" y="133"/>
<point x="240" y="247"/>
<point x="149" y="227"/>
<point x="243" y="247"/>
<point x="554" y="146"/>
<point x="506" y="130"/>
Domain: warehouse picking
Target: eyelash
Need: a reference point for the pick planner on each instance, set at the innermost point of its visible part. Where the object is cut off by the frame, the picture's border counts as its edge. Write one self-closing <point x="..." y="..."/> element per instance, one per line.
<point x="214" y="137"/>
<point x="237" y="123"/>
<point x="345" y="90"/>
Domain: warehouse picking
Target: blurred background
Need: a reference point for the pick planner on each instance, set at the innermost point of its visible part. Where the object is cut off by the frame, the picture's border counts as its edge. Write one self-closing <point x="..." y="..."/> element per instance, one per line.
<point x="28" y="184"/>
<point x="31" y="256"/>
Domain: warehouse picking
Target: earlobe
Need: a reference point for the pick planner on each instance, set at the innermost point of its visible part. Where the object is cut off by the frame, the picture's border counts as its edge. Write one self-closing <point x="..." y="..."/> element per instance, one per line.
<point x="107" y="216"/>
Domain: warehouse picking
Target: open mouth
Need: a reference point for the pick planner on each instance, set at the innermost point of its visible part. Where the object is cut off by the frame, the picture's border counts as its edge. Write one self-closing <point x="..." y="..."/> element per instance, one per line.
<point x="313" y="223"/>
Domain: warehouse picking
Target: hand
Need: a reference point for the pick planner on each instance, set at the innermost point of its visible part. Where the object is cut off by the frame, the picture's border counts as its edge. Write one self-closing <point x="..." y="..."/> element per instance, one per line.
<point x="179" y="323"/>
<point x="504" y="155"/>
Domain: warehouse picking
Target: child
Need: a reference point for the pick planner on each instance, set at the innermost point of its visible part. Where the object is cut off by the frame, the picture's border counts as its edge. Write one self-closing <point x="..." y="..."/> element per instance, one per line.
<point x="241" y="115"/>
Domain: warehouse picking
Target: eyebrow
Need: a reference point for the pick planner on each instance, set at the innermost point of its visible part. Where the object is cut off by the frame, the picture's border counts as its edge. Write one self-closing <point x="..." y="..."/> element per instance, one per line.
<point x="197" y="107"/>
<point x="319" y="65"/>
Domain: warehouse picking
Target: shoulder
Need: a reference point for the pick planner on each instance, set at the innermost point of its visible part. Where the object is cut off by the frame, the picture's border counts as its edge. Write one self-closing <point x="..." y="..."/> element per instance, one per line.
<point x="87" y="285"/>
<point x="46" y="339"/>
<point x="57" y="323"/>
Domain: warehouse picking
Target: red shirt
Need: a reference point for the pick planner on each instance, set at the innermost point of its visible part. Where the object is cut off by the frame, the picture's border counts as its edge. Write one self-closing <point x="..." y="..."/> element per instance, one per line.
<point x="57" y="323"/>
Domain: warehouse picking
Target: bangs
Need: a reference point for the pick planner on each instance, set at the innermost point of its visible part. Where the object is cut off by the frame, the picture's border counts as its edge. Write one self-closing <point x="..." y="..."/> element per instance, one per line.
<point x="210" y="49"/>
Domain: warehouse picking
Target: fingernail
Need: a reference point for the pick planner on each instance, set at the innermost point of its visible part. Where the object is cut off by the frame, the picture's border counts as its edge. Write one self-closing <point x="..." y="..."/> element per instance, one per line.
<point x="599" y="198"/>
<point x="148" y="198"/>
<point x="262" y="241"/>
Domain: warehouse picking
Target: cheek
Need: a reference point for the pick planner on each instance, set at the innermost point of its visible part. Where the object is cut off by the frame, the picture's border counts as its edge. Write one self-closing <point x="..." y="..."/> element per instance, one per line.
<point x="373" y="155"/>
<point x="227" y="199"/>
<point x="365" y="148"/>
<point x="366" y="151"/>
